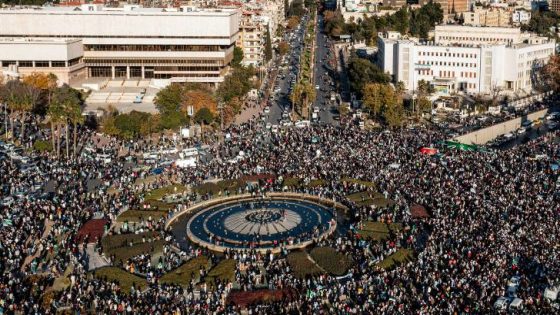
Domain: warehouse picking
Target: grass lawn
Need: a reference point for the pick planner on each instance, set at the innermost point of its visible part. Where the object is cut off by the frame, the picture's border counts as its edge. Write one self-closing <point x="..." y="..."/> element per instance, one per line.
<point x="292" y="182"/>
<point x="331" y="261"/>
<point x="359" y="182"/>
<point x="224" y="270"/>
<point x="316" y="183"/>
<point x="123" y="278"/>
<point x="158" y="194"/>
<point x="206" y="188"/>
<point x="183" y="274"/>
<point x="139" y="215"/>
<point x="118" y="245"/>
<point x="301" y="265"/>
<point x="400" y="256"/>
<point x="378" y="231"/>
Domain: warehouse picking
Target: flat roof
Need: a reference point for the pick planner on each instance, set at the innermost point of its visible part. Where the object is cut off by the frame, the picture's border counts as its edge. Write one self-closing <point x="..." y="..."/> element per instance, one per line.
<point x="83" y="10"/>
<point x="35" y="40"/>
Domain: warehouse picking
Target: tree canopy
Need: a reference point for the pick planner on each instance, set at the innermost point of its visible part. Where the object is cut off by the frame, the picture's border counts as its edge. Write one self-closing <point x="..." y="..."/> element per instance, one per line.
<point x="362" y="71"/>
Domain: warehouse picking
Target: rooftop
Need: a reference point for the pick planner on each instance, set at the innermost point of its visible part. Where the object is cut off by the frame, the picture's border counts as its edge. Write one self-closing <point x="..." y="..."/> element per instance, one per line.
<point x="35" y="40"/>
<point x="126" y="10"/>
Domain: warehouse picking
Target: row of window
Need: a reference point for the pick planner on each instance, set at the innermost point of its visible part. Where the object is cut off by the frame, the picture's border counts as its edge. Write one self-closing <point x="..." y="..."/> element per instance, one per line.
<point x="475" y="39"/>
<point x="155" y="47"/>
<point x="448" y="63"/>
<point x="446" y="54"/>
<point x="38" y="64"/>
<point x="194" y="62"/>
<point x="448" y="74"/>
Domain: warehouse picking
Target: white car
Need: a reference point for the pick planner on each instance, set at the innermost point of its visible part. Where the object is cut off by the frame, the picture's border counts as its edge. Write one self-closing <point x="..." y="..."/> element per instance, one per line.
<point x="317" y="87"/>
<point x="268" y="125"/>
<point x="521" y="130"/>
<point x="267" y="110"/>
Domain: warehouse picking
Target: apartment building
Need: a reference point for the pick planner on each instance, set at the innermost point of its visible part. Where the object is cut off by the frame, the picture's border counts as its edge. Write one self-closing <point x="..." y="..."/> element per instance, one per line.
<point x="183" y="44"/>
<point x="554" y="5"/>
<point x="474" y="63"/>
<point x="251" y="39"/>
<point x="491" y="16"/>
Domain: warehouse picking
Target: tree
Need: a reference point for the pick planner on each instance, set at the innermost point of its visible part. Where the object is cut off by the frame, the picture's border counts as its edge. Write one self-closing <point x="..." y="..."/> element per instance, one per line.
<point x="283" y="48"/>
<point x="236" y="84"/>
<point x="198" y="99"/>
<point x="424" y="104"/>
<point x="293" y="22"/>
<point x="383" y="103"/>
<point x="73" y="108"/>
<point x="204" y="115"/>
<point x="302" y="94"/>
<point x="268" y="45"/>
<point x="362" y="71"/>
<point x="57" y="118"/>
<point x="237" y="57"/>
<point x="551" y="73"/>
<point x="168" y="100"/>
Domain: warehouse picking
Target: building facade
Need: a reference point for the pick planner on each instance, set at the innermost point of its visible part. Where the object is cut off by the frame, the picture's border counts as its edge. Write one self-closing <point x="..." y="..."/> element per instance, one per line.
<point x="60" y="56"/>
<point x="554" y="5"/>
<point x="183" y="44"/>
<point x="481" y="16"/>
<point x="462" y="64"/>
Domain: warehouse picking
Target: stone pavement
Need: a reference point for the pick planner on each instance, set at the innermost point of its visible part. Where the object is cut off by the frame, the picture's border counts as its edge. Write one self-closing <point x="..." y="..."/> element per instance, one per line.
<point x="95" y="260"/>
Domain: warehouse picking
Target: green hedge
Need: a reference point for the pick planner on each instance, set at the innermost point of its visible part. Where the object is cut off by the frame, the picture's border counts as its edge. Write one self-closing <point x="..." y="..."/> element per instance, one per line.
<point x="224" y="270"/>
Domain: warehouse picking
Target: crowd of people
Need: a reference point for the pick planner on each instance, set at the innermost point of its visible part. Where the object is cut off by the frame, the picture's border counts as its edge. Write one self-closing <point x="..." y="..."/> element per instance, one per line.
<point x="493" y="215"/>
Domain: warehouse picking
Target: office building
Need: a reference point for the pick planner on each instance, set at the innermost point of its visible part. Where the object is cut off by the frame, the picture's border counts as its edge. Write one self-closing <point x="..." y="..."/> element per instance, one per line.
<point x="465" y="60"/>
<point x="182" y="44"/>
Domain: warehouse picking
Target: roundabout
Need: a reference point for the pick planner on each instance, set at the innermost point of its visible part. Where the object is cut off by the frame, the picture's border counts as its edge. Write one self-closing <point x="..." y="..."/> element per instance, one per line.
<point x="261" y="224"/>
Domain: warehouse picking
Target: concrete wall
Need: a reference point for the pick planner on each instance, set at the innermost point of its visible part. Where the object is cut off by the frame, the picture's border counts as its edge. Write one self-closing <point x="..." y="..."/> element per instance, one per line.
<point x="484" y="135"/>
<point x="40" y="49"/>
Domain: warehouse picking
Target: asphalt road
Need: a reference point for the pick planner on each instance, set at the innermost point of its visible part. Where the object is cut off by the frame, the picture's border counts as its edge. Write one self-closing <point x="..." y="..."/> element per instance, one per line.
<point x="282" y="101"/>
<point x="321" y="72"/>
<point x="321" y="76"/>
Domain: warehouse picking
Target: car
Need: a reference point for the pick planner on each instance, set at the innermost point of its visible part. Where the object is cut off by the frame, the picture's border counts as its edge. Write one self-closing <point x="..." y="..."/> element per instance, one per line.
<point x="502" y="303"/>
<point x="552" y="125"/>
<point x="267" y="110"/>
<point x="268" y="125"/>
<point x="317" y="87"/>
<point x="521" y="130"/>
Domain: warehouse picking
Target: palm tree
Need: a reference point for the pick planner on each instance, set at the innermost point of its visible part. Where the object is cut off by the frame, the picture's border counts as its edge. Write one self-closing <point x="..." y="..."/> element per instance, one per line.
<point x="28" y="98"/>
<point x="56" y="117"/>
<point x="74" y="115"/>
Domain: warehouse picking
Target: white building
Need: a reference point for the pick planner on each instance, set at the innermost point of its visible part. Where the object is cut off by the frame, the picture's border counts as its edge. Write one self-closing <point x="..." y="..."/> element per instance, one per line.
<point x="60" y="56"/>
<point x="521" y="17"/>
<point x="469" y="61"/>
<point x="184" y="44"/>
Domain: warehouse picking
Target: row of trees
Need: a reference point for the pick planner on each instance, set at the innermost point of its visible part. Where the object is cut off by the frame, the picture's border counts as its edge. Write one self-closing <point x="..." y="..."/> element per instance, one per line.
<point x="39" y="94"/>
<point x="414" y="22"/>
<point x="181" y="104"/>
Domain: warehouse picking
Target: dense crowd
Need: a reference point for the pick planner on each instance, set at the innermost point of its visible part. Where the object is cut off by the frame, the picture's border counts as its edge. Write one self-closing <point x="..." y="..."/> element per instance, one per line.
<point x="493" y="216"/>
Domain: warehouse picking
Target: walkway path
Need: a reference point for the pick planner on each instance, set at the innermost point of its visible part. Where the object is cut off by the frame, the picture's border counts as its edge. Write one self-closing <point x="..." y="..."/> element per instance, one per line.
<point x="95" y="260"/>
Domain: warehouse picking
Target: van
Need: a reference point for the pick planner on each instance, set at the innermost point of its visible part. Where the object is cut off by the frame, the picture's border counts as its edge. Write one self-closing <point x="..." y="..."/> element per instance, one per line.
<point x="303" y="123"/>
<point x="516" y="304"/>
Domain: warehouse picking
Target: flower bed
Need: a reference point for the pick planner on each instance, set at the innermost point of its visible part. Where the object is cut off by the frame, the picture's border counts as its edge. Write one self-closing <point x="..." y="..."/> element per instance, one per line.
<point x="92" y="228"/>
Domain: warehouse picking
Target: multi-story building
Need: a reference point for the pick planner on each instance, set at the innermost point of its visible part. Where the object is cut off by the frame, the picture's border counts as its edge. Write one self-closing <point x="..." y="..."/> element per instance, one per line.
<point x="60" y="56"/>
<point x="481" y="16"/>
<point x="465" y="60"/>
<point x="521" y="16"/>
<point x="554" y="5"/>
<point x="184" y="44"/>
<point x="450" y="7"/>
<point x="251" y="40"/>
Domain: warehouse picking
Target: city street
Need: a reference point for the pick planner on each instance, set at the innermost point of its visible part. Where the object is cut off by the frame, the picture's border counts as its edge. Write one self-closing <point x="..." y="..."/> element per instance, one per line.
<point x="321" y="76"/>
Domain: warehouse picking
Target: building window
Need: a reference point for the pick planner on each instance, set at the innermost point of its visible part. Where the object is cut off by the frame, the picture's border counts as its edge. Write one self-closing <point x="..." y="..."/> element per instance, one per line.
<point x="27" y="64"/>
<point x="41" y="64"/>
<point x="58" y="64"/>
